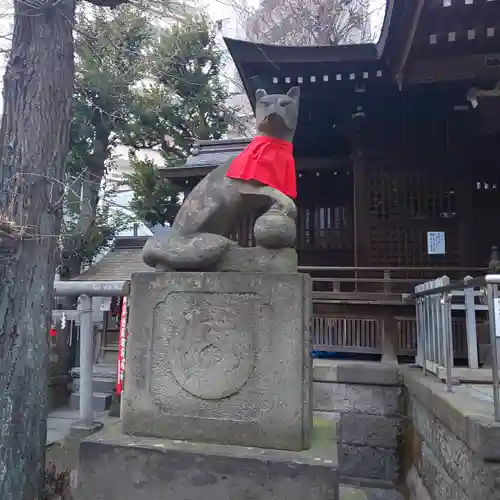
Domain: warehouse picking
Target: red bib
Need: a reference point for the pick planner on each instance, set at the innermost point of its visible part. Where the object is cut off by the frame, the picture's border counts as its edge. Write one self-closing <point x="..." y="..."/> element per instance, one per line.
<point x="269" y="161"/>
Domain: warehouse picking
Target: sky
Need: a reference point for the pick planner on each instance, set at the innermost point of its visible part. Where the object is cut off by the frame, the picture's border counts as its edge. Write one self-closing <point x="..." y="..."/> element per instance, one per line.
<point x="221" y="9"/>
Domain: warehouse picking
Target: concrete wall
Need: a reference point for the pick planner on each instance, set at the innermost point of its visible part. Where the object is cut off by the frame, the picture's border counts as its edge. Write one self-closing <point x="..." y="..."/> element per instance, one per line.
<point x="452" y="448"/>
<point x="368" y="401"/>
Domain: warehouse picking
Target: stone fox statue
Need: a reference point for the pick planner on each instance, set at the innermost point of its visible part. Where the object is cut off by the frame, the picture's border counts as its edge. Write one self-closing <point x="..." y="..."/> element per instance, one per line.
<point x="261" y="175"/>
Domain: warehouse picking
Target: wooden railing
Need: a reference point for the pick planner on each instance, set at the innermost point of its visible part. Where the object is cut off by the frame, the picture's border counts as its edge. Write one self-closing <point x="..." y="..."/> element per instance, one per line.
<point x="356" y="282"/>
<point x="360" y="310"/>
<point x="364" y="335"/>
<point x="334" y="334"/>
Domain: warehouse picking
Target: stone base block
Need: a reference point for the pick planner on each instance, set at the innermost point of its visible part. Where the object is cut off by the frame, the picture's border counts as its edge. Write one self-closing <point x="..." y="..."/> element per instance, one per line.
<point x="369" y="462"/>
<point x="81" y="430"/>
<point x="368" y="446"/>
<point x="115" y="406"/>
<point x="220" y="357"/>
<point x="113" y="466"/>
<point x="259" y="259"/>
<point x="101" y="401"/>
<point x="368" y="399"/>
<point x="361" y="429"/>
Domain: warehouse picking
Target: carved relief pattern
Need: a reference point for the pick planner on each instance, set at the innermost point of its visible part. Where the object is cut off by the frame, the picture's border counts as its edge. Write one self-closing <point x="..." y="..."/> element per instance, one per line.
<point x="210" y="348"/>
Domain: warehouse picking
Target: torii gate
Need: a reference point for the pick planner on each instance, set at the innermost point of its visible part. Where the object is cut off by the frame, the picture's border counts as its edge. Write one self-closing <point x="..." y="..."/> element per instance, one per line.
<point x="86" y="290"/>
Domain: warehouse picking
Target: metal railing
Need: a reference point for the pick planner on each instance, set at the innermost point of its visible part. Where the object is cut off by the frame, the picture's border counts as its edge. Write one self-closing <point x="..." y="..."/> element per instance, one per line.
<point x="434" y="325"/>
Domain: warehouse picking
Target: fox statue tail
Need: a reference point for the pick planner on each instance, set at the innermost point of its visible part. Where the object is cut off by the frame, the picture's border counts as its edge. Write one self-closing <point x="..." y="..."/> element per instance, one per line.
<point x="173" y="251"/>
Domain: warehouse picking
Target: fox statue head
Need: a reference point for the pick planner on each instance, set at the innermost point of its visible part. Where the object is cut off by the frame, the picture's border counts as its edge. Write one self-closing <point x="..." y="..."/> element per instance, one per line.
<point x="276" y="114"/>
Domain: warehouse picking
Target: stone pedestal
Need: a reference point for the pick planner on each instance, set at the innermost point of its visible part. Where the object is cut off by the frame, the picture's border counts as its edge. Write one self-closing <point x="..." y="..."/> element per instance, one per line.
<point x="113" y="466"/>
<point x="220" y="358"/>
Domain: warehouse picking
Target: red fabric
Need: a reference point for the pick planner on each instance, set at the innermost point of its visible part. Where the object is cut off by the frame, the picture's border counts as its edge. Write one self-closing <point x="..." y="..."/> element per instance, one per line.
<point x="269" y="161"/>
<point x="52" y="332"/>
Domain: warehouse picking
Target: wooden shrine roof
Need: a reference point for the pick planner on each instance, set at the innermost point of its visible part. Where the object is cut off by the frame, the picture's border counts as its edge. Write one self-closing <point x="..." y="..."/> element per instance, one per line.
<point x="422" y="41"/>
<point x="316" y="69"/>
<point x="210" y="153"/>
<point x="455" y="40"/>
<point x="206" y="155"/>
<point x="122" y="260"/>
<point x="440" y="48"/>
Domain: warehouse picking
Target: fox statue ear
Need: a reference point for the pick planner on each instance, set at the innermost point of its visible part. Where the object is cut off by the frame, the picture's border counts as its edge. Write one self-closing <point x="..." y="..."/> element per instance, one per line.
<point x="294" y="93"/>
<point x="259" y="94"/>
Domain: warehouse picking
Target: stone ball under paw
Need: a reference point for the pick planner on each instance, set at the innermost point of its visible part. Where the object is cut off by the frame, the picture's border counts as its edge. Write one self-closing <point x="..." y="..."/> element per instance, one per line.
<point x="275" y="230"/>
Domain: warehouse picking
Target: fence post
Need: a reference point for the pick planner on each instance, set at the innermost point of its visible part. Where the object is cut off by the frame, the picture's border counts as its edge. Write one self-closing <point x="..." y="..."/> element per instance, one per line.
<point x="492" y="294"/>
<point x="86" y="361"/>
<point x="470" y="326"/>
<point x="419" y="359"/>
<point x="444" y="337"/>
<point x="447" y="336"/>
<point x="426" y="307"/>
<point x="436" y="322"/>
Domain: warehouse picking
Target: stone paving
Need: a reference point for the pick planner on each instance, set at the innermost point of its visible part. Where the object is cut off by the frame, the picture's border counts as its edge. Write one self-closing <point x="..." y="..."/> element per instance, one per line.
<point x="483" y="392"/>
<point x="60" y="421"/>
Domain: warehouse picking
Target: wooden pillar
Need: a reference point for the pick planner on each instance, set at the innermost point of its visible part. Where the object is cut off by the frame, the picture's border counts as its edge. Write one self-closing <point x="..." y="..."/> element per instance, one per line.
<point x="462" y="159"/>
<point x="361" y="192"/>
<point x="465" y="209"/>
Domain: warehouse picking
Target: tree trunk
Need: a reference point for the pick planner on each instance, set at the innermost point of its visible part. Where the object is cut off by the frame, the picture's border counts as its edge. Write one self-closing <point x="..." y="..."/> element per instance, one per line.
<point x="33" y="148"/>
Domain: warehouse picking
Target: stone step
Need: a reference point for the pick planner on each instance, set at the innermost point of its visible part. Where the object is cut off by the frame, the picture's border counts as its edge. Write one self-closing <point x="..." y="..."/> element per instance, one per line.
<point x="99" y="371"/>
<point x="99" y="384"/>
<point x="101" y="401"/>
<point x="112" y="346"/>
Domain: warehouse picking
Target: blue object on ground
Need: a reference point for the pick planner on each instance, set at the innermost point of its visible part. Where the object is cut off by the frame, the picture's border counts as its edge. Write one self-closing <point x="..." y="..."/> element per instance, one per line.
<point x="323" y="354"/>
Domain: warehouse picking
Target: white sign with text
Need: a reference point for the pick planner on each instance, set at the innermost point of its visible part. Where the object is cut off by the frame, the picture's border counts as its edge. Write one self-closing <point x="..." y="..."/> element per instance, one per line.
<point x="436" y="243"/>
<point x="497" y="317"/>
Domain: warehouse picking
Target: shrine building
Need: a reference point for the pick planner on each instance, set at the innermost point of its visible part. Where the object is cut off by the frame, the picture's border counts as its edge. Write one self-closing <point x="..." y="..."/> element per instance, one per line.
<point x="397" y="169"/>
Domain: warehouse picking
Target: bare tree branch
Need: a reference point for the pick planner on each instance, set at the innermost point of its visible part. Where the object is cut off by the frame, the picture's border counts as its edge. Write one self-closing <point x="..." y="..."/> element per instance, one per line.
<point x="304" y="22"/>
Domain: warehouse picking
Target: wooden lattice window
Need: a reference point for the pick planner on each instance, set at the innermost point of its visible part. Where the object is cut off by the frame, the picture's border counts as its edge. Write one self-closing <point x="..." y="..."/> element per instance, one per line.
<point x="406" y="245"/>
<point x="404" y="206"/>
<point x="414" y="195"/>
<point x="243" y="234"/>
<point x="325" y="228"/>
<point x="485" y="231"/>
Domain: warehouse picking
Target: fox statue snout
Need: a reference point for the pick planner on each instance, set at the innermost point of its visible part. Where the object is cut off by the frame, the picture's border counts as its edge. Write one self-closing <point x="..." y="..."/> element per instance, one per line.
<point x="277" y="114"/>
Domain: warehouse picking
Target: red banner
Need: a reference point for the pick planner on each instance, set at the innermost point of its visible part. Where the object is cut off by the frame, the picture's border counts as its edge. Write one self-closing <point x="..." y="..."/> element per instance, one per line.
<point x="122" y="344"/>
